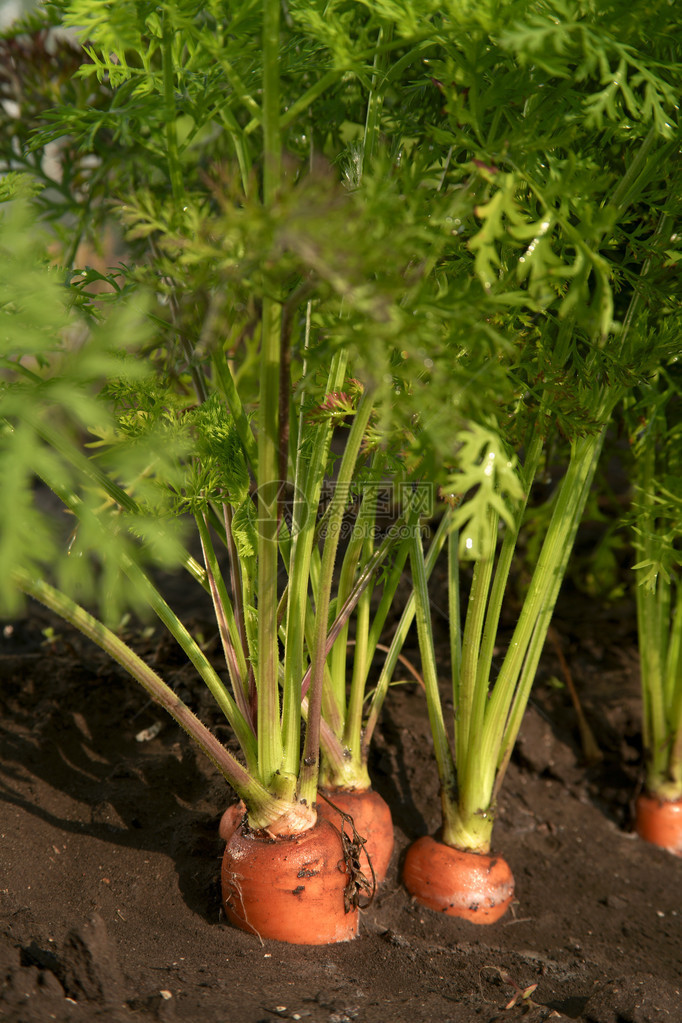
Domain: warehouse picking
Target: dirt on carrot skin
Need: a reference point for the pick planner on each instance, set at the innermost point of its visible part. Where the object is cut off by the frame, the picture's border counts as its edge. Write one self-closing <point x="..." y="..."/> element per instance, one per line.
<point x="110" y="859"/>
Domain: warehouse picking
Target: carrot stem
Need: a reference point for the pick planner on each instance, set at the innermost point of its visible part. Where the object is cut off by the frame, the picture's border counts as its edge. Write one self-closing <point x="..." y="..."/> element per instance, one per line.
<point x="443" y="753"/>
<point x="659" y="624"/>
<point x="471" y="694"/>
<point x="401" y="632"/>
<point x="236" y="580"/>
<point x="227" y="625"/>
<point x="234" y="403"/>
<point x="251" y="791"/>
<point x="509" y="696"/>
<point x="238" y="721"/>
<point x="308" y="477"/>
<point x="354" y="551"/>
<point x="674" y="693"/>
<point x="310" y="762"/>
<point x="270" y="746"/>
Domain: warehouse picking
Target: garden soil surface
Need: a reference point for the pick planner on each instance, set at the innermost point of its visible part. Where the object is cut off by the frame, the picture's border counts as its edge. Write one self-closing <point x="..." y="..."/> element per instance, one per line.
<point x="110" y="857"/>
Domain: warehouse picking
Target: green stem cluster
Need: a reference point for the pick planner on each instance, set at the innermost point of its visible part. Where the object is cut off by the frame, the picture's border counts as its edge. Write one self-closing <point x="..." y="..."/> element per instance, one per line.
<point x="659" y="626"/>
<point x="464" y="231"/>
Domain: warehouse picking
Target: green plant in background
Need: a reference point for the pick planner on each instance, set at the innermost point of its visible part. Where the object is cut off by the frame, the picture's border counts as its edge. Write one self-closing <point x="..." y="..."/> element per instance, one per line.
<point x="656" y="521"/>
<point x="420" y="234"/>
<point x="570" y="114"/>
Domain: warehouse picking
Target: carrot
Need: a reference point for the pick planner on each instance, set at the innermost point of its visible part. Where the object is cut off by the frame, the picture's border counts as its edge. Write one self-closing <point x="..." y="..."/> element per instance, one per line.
<point x="371" y="817"/>
<point x="292" y="888"/>
<point x="372" y="820"/>
<point x="473" y="886"/>
<point x="660" y="821"/>
<point x="230" y="820"/>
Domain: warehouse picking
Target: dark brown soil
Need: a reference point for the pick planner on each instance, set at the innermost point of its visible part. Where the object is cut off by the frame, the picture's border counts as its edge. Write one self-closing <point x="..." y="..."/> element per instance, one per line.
<point x="109" y="860"/>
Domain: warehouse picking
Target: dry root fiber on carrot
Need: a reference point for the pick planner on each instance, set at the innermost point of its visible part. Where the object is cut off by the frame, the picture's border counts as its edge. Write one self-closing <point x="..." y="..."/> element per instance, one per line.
<point x="373" y="822"/>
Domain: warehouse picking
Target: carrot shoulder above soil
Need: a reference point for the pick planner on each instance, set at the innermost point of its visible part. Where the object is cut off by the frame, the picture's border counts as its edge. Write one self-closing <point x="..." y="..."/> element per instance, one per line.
<point x="362" y="815"/>
<point x="469" y="885"/>
<point x="659" y="821"/>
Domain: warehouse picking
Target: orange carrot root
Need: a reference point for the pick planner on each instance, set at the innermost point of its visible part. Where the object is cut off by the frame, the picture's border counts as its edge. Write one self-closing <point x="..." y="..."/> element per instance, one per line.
<point x="291" y="889"/>
<point x="373" y="822"/>
<point x="659" y="821"/>
<point x="469" y="885"/>
<point x="230" y="820"/>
